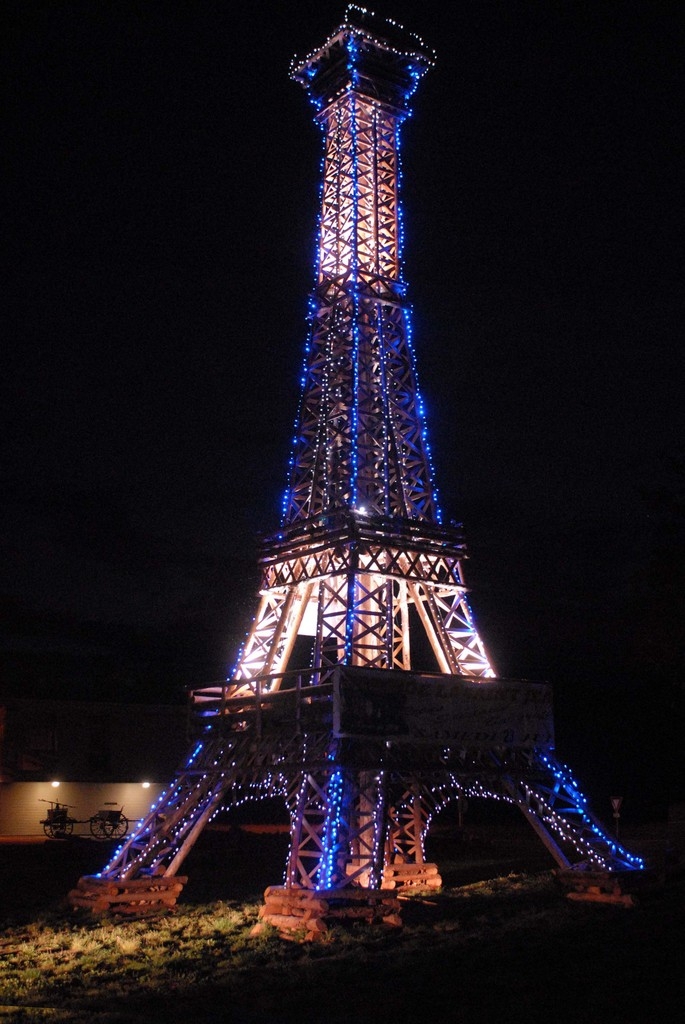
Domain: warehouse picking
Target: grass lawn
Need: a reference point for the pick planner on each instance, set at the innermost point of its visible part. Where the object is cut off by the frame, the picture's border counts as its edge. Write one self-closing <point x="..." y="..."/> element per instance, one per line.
<point x="506" y="944"/>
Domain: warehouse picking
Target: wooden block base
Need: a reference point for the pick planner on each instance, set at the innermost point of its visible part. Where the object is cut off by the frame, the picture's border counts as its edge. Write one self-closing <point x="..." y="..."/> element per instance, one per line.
<point x="413" y="877"/>
<point x="136" y="897"/>
<point x="305" y="915"/>
<point x="590" y="886"/>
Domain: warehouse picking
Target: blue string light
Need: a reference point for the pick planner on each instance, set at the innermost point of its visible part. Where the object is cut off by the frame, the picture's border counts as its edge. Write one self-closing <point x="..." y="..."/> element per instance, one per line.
<point x="331" y="832"/>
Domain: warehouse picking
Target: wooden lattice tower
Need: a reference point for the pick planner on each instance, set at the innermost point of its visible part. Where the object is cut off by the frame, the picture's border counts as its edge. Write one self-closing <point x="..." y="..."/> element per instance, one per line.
<point x="326" y="705"/>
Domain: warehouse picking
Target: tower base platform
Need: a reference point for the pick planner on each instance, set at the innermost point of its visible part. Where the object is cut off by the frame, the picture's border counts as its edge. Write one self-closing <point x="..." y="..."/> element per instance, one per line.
<point x="591" y="885"/>
<point x="136" y="897"/>
<point x="305" y="914"/>
<point x="414" y="878"/>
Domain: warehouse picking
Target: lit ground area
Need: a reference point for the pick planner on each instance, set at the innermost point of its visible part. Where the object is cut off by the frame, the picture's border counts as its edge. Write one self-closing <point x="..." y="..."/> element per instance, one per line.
<point x="499" y="940"/>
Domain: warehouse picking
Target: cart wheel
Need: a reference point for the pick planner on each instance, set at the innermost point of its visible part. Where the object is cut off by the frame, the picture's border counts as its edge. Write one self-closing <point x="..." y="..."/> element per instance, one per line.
<point x="59" y="829"/>
<point x="119" y="828"/>
<point x="98" y="828"/>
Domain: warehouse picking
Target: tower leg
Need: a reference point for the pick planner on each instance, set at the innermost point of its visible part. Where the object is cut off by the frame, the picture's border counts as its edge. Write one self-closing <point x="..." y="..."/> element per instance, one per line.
<point x="336" y="855"/>
<point x="308" y="830"/>
<point x="405" y="863"/>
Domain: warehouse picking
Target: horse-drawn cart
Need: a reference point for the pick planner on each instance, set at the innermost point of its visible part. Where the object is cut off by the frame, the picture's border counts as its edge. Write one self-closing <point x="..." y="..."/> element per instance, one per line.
<point x="108" y="823"/>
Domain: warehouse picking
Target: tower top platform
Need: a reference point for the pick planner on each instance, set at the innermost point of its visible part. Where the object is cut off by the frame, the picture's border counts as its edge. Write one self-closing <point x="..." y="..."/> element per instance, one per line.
<point x="368" y="54"/>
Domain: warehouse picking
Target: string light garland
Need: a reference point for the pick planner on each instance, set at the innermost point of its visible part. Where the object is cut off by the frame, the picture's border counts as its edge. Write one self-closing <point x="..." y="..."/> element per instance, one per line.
<point x="422" y="54"/>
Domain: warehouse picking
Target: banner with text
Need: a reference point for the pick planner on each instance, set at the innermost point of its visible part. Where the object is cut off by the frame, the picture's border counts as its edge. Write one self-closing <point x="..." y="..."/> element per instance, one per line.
<point x="414" y="708"/>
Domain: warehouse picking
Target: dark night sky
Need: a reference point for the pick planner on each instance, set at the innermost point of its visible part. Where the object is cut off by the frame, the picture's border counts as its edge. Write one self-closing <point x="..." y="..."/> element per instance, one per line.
<point x="163" y="181"/>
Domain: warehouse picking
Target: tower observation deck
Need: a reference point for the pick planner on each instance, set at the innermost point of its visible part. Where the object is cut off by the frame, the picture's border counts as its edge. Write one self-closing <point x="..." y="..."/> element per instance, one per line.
<point x="363" y="695"/>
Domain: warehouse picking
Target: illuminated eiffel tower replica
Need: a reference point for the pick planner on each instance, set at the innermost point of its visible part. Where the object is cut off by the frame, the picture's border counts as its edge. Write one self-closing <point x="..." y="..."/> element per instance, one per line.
<point x="325" y="706"/>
